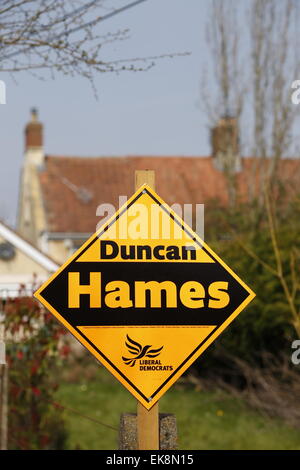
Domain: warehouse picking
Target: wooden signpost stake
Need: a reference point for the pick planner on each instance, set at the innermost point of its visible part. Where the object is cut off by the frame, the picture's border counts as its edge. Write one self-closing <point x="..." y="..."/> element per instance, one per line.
<point x="147" y="420"/>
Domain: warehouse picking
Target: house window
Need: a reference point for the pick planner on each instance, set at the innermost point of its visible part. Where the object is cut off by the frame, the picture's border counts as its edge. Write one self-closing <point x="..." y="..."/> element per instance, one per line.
<point x="7" y="251"/>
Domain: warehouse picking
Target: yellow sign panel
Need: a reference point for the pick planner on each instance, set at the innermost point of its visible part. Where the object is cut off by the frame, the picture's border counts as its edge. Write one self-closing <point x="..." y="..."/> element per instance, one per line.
<point x="145" y="295"/>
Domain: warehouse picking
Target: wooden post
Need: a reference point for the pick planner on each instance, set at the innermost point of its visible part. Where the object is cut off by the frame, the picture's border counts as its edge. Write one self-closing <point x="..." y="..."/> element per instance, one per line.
<point x="144" y="176"/>
<point x="147" y="427"/>
<point x="147" y="420"/>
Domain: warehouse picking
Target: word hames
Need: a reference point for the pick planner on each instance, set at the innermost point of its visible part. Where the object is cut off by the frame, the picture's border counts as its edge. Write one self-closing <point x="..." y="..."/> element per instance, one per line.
<point x="145" y="294"/>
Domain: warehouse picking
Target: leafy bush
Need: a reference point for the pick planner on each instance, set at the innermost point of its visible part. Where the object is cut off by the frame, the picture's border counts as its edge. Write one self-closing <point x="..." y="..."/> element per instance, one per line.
<point x="266" y="324"/>
<point x="34" y="351"/>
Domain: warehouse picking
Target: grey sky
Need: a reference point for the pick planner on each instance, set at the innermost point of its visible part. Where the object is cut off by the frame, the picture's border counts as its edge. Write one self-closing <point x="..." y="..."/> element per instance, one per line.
<point x="155" y="112"/>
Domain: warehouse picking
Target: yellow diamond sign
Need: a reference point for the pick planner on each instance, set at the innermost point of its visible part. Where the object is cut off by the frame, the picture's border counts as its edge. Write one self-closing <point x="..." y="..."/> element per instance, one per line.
<point x="145" y="295"/>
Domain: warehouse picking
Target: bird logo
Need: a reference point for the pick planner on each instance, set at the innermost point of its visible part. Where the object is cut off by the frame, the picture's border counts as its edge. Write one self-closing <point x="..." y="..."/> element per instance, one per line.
<point x="138" y="351"/>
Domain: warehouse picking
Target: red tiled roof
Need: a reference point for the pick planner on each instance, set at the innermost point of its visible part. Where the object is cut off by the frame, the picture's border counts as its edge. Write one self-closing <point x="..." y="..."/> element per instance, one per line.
<point x="178" y="179"/>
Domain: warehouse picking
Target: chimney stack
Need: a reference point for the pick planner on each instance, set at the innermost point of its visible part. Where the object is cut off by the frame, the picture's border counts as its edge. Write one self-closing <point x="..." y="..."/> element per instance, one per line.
<point x="225" y="145"/>
<point x="34" y="151"/>
<point x="33" y="132"/>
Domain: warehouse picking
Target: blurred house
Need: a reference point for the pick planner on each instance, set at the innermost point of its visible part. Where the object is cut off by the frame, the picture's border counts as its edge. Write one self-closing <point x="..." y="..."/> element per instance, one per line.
<point x="59" y="195"/>
<point x="22" y="266"/>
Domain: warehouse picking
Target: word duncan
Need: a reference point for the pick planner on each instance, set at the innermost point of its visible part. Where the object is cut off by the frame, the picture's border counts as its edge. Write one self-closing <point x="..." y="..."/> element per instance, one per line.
<point x="110" y="250"/>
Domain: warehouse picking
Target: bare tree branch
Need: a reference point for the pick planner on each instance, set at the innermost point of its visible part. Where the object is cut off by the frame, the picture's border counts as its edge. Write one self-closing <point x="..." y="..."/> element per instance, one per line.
<point x="61" y="36"/>
<point x="253" y="56"/>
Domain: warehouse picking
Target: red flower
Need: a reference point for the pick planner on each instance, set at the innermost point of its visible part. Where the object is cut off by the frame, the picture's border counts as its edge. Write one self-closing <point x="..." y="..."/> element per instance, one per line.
<point x="65" y="350"/>
<point x="34" y="369"/>
<point x="20" y="355"/>
<point x="36" y="391"/>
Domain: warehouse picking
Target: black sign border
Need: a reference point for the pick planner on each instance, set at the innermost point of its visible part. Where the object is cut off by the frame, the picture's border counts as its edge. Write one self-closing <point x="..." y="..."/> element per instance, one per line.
<point x="97" y="235"/>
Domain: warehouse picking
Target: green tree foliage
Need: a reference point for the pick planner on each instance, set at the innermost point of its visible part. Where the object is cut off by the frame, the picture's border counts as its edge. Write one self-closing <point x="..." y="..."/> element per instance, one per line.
<point x="244" y="243"/>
